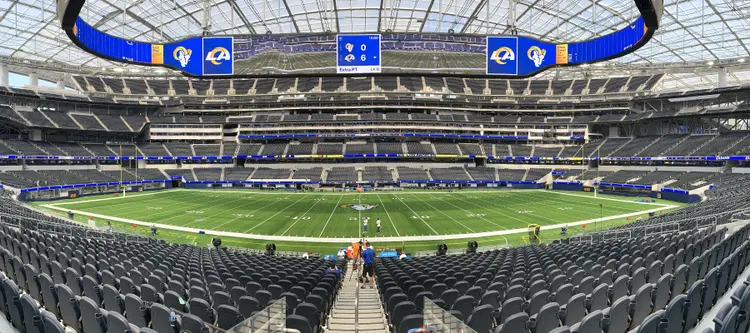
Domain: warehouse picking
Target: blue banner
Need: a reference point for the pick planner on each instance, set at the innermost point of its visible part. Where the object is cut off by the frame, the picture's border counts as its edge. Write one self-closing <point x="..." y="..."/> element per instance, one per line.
<point x="217" y="59"/>
<point x="502" y="55"/>
<point x="534" y="55"/>
<point x="185" y="55"/>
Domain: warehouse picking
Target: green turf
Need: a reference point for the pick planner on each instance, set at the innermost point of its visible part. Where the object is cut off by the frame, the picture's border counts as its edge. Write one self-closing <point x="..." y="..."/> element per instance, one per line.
<point x="405" y="213"/>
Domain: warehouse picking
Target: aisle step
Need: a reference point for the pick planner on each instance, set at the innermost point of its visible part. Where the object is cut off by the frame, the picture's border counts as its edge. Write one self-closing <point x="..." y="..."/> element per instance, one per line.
<point x="366" y="312"/>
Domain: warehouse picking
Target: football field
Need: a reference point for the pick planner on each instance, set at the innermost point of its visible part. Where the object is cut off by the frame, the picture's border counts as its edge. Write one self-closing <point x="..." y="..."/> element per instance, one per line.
<point x="339" y="214"/>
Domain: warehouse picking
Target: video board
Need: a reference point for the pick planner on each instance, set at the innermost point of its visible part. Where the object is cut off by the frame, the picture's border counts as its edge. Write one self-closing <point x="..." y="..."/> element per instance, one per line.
<point x="370" y="54"/>
<point x="357" y="54"/>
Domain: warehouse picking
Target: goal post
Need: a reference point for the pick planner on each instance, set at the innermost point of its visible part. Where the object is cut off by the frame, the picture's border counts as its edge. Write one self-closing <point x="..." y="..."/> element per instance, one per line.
<point x="534" y="233"/>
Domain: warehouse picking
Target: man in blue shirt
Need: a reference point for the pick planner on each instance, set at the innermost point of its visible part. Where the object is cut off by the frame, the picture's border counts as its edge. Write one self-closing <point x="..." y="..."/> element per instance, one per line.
<point x="368" y="257"/>
<point x="335" y="270"/>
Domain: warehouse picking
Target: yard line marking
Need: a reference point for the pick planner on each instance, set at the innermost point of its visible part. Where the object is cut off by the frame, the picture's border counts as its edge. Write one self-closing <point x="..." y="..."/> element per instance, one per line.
<point x="74" y="202"/>
<point x="347" y="239"/>
<point x="417" y="215"/>
<point x="175" y="212"/>
<point x="300" y="218"/>
<point x="441" y="212"/>
<point x="236" y="218"/>
<point x="125" y="205"/>
<point x="372" y="192"/>
<point x="610" y="199"/>
<point x="593" y="205"/>
<point x="389" y="216"/>
<point x="274" y="215"/>
<point x="468" y="212"/>
<point x="330" y="216"/>
<point x="219" y="198"/>
<point x="111" y="210"/>
<point x="504" y="214"/>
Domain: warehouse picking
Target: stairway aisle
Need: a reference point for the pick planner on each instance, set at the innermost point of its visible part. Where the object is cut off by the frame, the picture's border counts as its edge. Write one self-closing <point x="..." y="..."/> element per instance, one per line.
<point x="371" y="316"/>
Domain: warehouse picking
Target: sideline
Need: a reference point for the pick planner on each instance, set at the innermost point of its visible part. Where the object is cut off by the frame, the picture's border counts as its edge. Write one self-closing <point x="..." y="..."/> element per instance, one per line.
<point x="354" y="239"/>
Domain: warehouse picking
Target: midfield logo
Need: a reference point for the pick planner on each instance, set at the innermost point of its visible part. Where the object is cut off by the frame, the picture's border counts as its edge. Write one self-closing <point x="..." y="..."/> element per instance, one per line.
<point x="359" y="207"/>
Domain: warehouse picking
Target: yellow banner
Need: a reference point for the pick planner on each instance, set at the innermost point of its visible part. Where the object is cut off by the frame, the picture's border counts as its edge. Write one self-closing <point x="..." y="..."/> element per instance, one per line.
<point x="157" y="54"/>
<point x="561" y="54"/>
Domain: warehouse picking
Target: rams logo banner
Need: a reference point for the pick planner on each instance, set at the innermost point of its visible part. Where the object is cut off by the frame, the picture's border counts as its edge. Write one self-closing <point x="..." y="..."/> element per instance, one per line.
<point x="218" y="57"/>
<point x="502" y="55"/>
<point x="535" y="55"/>
<point x="518" y="55"/>
<point x="184" y="55"/>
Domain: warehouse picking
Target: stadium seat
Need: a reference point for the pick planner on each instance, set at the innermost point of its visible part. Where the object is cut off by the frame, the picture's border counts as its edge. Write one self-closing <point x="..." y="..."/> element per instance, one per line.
<point x="299" y="323"/>
<point x="228" y="317"/>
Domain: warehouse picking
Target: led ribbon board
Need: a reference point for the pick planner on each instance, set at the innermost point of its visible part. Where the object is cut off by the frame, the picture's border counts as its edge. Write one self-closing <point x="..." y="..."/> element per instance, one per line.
<point x="524" y="56"/>
<point x="240" y="55"/>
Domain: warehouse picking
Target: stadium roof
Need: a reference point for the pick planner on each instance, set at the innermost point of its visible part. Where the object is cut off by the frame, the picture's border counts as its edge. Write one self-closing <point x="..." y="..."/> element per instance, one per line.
<point x="691" y="31"/>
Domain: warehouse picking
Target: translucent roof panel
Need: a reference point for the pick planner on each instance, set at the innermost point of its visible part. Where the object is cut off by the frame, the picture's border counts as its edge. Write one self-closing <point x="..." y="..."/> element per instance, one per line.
<point x="691" y="30"/>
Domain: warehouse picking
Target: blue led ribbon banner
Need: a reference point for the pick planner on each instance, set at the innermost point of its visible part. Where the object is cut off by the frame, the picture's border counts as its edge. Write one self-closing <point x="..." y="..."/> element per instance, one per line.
<point x="236" y="56"/>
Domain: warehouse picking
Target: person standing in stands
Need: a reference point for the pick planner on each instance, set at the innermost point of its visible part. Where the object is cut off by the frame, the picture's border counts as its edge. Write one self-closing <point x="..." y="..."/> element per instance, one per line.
<point x="368" y="257"/>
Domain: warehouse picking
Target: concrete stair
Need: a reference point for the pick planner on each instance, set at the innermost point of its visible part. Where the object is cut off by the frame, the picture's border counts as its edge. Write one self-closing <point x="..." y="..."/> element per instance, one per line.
<point x="369" y="316"/>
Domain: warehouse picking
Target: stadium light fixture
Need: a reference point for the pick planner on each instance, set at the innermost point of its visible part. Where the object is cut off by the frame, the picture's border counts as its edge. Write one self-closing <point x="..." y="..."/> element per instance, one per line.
<point x="741" y="60"/>
<point x="118" y="69"/>
<point x="710" y="63"/>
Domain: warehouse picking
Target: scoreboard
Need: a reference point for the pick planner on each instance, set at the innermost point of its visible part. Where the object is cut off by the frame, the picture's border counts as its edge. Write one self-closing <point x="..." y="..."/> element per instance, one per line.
<point x="358" y="54"/>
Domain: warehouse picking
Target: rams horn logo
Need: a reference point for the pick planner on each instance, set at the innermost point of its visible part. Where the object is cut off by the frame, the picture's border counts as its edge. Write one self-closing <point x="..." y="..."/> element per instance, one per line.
<point x="182" y="55"/>
<point x="358" y="207"/>
<point x="502" y="55"/>
<point x="217" y="55"/>
<point x="537" y="55"/>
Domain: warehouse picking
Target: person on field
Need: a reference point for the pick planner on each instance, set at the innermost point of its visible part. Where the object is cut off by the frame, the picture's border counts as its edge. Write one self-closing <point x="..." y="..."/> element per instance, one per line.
<point x="364" y="224"/>
<point x="368" y="257"/>
<point x="377" y="224"/>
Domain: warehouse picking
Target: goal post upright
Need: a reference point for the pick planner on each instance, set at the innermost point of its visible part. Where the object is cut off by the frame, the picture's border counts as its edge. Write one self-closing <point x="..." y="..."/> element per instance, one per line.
<point x="122" y="185"/>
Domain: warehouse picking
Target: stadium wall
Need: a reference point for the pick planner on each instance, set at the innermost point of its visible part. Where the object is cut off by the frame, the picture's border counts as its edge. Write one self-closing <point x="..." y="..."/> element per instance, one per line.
<point x="54" y="195"/>
<point x="567" y="186"/>
<point x="661" y="168"/>
<point x="677" y="196"/>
